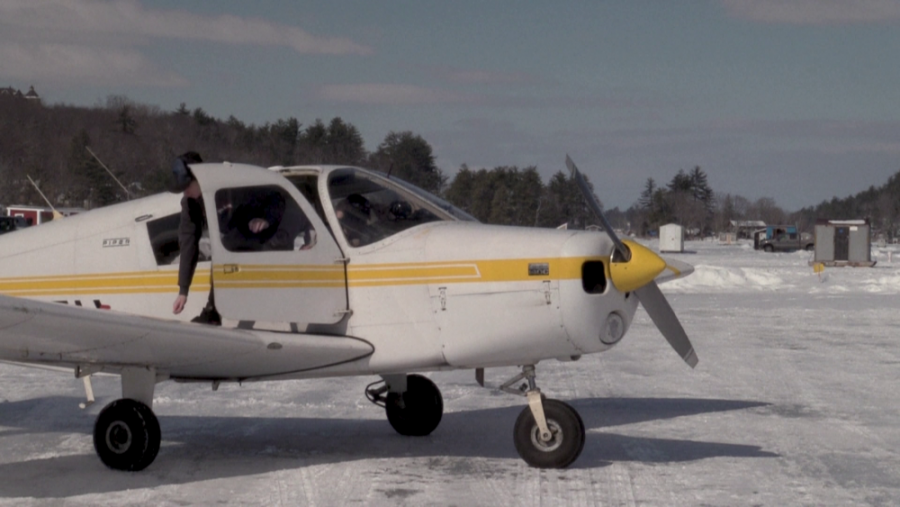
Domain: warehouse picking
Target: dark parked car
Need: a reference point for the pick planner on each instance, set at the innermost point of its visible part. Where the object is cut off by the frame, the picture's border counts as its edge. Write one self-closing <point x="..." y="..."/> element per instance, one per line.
<point x="9" y="224"/>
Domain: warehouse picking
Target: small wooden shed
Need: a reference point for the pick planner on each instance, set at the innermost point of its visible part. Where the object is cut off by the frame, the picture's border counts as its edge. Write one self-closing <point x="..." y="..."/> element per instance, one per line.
<point x="671" y="238"/>
<point x="34" y="215"/>
<point x="843" y="243"/>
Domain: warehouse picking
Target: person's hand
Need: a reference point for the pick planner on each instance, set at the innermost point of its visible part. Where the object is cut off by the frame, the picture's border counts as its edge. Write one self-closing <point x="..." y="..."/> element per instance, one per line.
<point x="258" y="224"/>
<point x="178" y="306"/>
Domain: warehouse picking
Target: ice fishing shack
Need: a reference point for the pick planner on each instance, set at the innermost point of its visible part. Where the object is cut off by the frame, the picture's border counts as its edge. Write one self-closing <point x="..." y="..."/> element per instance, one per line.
<point x="843" y="243"/>
<point x="671" y="238"/>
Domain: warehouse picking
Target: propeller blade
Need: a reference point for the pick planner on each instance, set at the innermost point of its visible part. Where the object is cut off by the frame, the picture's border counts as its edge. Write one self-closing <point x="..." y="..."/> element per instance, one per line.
<point x="663" y="316"/>
<point x="648" y="293"/>
<point x="595" y="207"/>
<point x="675" y="269"/>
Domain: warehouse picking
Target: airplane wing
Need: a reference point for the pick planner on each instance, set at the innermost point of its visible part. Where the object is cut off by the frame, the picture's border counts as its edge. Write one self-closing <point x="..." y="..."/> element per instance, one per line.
<point x="675" y="269"/>
<point x="61" y="335"/>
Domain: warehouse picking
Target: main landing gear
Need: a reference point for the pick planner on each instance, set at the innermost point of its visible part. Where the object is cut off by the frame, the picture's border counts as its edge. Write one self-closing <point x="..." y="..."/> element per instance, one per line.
<point x="126" y="433"/>
<point x="413" y="403"/>
<point x="547" y="434"/>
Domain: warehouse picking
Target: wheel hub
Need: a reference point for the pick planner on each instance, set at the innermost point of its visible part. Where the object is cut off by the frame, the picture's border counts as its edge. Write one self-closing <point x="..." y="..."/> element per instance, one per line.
<point x="118" y="437"/>
<point x="551" y="444"/>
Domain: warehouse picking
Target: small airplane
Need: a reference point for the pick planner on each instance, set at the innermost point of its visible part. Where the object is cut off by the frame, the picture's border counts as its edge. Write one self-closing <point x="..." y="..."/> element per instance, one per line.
<point x="364" y="275"/>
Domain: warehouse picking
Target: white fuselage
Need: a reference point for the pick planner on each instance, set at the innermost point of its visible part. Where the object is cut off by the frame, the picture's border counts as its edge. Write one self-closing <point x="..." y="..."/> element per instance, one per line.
<point x="440" y="295"/>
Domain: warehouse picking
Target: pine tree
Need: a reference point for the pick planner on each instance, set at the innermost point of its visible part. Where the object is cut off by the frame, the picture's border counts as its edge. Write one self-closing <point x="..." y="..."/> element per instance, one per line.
<point x="700" y="188"/>
<point x="460" y="191"/>
<point x="93" y="183"/>
<point x="345" y="144"/>
<point x="411" y="159"/>
<point x="680" y="183"/>
<point x="646" y="200"/>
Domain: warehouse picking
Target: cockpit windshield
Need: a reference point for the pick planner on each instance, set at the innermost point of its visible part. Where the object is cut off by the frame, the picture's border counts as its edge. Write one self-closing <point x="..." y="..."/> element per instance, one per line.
<point x="370" y="208"/>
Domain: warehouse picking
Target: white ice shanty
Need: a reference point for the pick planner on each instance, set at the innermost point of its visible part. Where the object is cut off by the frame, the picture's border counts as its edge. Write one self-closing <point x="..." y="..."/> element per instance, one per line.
<point x="843" y="243"/>
<point x="671" y="238"/>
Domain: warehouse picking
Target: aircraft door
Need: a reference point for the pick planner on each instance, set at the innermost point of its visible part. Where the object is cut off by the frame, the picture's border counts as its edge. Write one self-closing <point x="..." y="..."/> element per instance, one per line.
<point x="273" y="258"/>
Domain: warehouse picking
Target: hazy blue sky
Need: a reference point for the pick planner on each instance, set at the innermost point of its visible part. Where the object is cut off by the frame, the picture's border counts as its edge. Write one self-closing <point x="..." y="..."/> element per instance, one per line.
<point x="793" y="99"/>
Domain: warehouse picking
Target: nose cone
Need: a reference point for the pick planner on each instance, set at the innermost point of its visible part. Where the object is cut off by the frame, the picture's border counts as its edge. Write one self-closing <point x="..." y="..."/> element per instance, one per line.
<point x="640" y="270"/>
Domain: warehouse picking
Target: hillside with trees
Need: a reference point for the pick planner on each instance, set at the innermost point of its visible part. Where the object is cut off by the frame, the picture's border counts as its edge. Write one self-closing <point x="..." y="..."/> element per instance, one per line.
<point x="138" y="142"/>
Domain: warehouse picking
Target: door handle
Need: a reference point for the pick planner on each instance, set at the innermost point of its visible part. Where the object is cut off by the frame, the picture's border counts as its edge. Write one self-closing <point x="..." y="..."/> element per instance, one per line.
<point x="230" y="268"/>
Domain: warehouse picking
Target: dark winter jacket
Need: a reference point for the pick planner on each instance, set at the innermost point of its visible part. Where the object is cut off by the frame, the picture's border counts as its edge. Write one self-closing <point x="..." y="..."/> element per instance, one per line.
<point x="193" y="219"/>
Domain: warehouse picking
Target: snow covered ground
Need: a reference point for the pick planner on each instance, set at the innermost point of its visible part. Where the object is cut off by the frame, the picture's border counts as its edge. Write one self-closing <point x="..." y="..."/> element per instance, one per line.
<point x="795" y="402"/>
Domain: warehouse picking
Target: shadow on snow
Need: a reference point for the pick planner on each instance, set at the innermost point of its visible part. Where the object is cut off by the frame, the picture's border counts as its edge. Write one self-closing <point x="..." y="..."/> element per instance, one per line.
<point x="200" y="448"/>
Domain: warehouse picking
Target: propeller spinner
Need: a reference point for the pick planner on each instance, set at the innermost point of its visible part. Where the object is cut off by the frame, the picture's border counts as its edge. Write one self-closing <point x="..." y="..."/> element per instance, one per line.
<point x="634" y="270"/>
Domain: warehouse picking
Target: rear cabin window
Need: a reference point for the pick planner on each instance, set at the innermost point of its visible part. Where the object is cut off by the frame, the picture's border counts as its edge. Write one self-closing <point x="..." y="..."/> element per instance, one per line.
<point x="164" y="240"/>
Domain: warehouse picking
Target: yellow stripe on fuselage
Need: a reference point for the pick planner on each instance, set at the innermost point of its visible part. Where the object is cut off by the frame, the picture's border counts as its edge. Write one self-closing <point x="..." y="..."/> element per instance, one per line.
<point x="255" y="276"/>
<point x="379" y="275"/>
<point x="141" y="282"/>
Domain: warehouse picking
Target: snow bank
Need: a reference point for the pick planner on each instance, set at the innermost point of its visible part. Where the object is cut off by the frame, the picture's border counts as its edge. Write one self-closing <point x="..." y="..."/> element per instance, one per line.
<point x="708" y="278"/>
<point x="740" y="269"/>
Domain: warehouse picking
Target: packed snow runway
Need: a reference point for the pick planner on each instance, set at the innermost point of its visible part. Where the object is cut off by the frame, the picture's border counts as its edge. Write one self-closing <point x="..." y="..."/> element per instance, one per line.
<point x="794" y="402"/>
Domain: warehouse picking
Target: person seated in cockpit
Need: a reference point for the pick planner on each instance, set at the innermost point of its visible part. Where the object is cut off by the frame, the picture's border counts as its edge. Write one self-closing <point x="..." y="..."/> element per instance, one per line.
<point x="355" y="216"/>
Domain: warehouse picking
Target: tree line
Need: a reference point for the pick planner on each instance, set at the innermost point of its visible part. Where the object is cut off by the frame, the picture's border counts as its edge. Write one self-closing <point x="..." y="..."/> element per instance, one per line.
<point x="137" y="143"/>
<point x="689" y="201"/>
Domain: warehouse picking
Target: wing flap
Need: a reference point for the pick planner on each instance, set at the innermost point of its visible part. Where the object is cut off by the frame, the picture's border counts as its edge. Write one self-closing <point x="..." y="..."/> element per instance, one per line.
<point x="55" y="334"/>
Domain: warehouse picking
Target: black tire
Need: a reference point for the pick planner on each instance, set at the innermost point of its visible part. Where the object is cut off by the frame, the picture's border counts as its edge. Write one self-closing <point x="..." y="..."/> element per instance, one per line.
<point x="418" y="411"/>
<point x="810" y="247"/>
<point x="566" y="443"/>
<point x="769" y="248"/>
<point x="127" y="435"/>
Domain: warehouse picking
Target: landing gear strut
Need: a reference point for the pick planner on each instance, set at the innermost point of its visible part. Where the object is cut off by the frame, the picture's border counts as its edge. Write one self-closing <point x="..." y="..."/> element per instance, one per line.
<point x="415" y="411"/>
<point x="548" y="433"/>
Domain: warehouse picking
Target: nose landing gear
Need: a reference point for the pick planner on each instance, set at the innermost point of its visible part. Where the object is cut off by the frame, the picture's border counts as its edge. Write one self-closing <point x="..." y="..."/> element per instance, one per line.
<point x="548" y="433"/>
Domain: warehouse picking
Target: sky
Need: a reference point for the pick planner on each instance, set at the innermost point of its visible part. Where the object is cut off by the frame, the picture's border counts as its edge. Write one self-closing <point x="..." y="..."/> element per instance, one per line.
<point x="798" y="100"/>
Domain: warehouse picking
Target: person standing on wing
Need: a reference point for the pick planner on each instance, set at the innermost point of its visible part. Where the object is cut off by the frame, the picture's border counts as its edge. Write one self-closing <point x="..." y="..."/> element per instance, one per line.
<point x="190" y="230"/>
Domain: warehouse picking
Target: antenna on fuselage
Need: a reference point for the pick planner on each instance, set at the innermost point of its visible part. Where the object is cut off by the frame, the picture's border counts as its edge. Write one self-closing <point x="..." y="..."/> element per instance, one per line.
<point x="56" y="214"/>
<point x="88" y="148"/>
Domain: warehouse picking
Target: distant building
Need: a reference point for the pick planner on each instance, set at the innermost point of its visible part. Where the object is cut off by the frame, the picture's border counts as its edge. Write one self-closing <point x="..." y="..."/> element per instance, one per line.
<point x="17" y="94"/>
<point x="36" y="215"/>
<point x="33" y="215"/>
<point x="32" y="95"/>
<point x="11" y="92"/>
<point x="671" y="238"/>
<point x="843" y="243"/>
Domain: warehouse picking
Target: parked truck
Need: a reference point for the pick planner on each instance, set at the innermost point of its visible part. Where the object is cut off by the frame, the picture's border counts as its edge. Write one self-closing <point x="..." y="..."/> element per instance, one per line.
<point x="782" y="238"/>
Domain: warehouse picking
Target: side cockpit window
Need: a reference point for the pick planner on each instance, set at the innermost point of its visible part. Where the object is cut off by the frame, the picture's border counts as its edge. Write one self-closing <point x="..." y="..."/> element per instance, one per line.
<point x="369" y="209"/>
<point x="262" y="218"/>
<point x="306" y="184"/>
